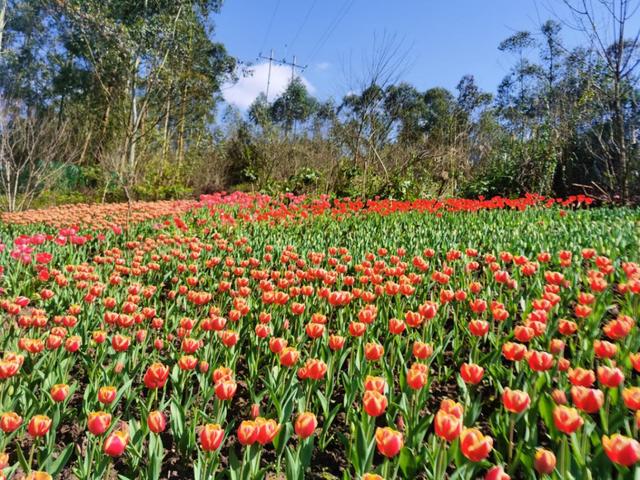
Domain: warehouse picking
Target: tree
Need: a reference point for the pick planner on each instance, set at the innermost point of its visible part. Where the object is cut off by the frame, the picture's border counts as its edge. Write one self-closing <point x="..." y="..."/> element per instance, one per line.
<point x="618" y="54"/>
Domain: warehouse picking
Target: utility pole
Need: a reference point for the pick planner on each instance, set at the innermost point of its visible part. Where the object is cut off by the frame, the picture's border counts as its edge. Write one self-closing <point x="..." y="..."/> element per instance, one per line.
<point x="271" y="59"/>
<point x="293" y="66"/>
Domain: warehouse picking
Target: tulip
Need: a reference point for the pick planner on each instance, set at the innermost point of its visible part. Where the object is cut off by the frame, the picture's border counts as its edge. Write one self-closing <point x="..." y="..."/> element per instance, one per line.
<point x="631" y="397"/>
<point x="544" y="461"/>
<point x="336" y="342"/>
<point x="225" y="389"/>
<point x="305" y="425"/>
<point x="471" y="373"/>
<point x="374" y="403"/>
<point x="567" y="419"/>
<point x="421" y="350"/>
<point x="448" y="426"/>
<point x="156" y="376"/>
<point x="540" y="361"/>
<point x="416" y="378"/>
<point x="107" y="395"/>
<point x="589" y="400"/>
<point x="39" y="426"/>
<point x="116" y="443"/>
<point x="59" y="392"/>
<point x="98" y="422"/>
<point x="10" y="421"/>
<point x="389" y="441"/>
<point x="267" y="430"/>
<point x="289" y="357"/>
<point x="373" y="351"/>
<point x="610" y="377"/>
<point x="211" y="437"/>
<point x="248" y="432"/>
<point x="474" y="445"/>
<point x="378" y="384"/>
<point x="496" y="473"/>
<point x="156" y="421"/>
<point x="581" y="377"/>
<point x="372" y="476"/>
<point x="621" y="450"/>
<point x="38" y="475"/>
<point x="515" y="401"/>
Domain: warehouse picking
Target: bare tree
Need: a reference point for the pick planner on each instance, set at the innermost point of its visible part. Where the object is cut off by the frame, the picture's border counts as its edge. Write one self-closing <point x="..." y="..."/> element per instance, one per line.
<point x="605" y="23"/>
<point x="366" y="131"/>
<point x="33" y="154"/>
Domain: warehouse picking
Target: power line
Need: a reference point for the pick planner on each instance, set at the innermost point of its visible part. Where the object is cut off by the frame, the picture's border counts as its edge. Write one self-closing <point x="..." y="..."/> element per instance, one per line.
<point x="331" y="28"/>
<point x="266" y="35"/>
<point x="304" y="22"/>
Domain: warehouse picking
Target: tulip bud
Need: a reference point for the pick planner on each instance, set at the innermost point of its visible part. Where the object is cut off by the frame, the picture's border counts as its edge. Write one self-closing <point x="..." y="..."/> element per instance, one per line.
<point x="544" y="461"/>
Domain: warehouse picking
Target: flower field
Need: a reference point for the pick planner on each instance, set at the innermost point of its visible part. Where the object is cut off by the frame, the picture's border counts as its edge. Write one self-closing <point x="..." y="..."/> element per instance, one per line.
<point x="247" y="337"/>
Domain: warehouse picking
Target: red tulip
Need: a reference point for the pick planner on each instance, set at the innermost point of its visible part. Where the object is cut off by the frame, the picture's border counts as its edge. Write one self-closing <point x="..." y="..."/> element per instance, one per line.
<point x="248" y="432"/>
<point x="589" y="400"/>
<point x="59" y="392"/>
<point x="567" y="419"/>
<point x="389" y="441"/>
<point x="544" y="461"/>
<point x="474" y="445"/>
<point x="107" y="395"/>
<point x="10" y="421"/>
<point x="98" y="422"/>
<point x="267" y="430"/>
<point x="211" y="437"/>
<point x="621" y="450"/>
<point x="471" y="373"/>
<point x="156" y="421"/>
<point x="374" y="403"/>
<point x="515" y="401"/>
<point x="497" y="473"/>
<point x="305" y="425"/>
<point x="610" y="377"/>
<point x="39" y="426"/>
<point x="116" y="443"/>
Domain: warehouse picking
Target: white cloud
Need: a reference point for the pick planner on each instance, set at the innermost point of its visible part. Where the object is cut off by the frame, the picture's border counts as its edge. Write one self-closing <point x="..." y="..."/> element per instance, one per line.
<point x="246" y="89"/>
<point x="322" y="66"/>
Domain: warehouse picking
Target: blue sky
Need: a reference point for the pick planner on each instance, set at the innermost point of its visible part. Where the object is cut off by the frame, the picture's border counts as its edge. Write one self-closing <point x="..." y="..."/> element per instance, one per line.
<point x="446" y="39"/>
